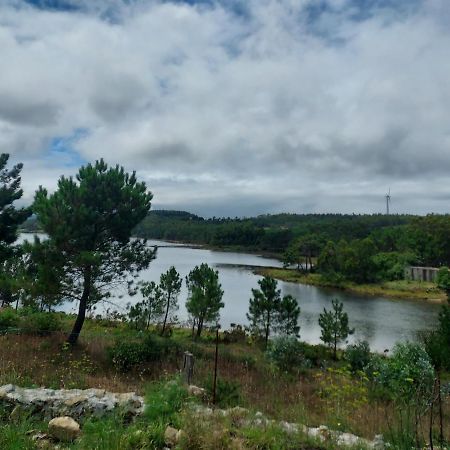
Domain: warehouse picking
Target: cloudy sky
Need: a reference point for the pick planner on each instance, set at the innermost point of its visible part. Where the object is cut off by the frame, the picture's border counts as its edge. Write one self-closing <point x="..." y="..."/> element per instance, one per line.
<point x="235" y="107"/>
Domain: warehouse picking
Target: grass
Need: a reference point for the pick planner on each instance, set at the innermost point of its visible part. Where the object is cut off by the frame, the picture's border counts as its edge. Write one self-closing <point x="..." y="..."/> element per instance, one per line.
<point x="245" y="375"/>
<point x="400" y="289"/>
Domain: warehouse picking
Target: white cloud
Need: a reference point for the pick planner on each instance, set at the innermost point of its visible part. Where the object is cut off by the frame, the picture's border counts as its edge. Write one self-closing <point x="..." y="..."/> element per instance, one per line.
<point x="313" y="116"/>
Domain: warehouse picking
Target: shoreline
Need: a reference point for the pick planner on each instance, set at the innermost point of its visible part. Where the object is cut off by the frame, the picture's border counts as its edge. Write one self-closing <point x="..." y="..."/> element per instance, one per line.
<point x="397" y="290"/>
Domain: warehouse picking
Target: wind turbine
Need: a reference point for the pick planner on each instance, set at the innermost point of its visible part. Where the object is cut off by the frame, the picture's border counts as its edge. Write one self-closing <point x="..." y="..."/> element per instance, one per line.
<point x="388" y="201"/>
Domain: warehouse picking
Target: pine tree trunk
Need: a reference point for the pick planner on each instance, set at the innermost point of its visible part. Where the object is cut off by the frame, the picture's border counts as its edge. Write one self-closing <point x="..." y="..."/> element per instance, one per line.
<point x="73" y="337"/>
<point x="266" y="340"/>
<point x="165" y="317"/>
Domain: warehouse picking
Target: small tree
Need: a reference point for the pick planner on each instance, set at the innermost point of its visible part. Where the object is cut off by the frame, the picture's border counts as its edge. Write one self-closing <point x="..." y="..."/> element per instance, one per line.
<point x="334" y="325"/>
<point x="89" y="221"/>
<point x="205" y="296"/>
<point x="10" y="219"/>
<point x="264" y="306"/>
<point x="150" y="309"/>
<point x="267" y="311"/>
<point x="170" y="285"/>
<point x="287" y="317"/>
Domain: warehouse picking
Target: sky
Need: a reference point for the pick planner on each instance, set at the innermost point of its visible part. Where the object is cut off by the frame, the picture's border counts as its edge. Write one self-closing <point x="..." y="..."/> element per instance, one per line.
<point x="234" y="107"/>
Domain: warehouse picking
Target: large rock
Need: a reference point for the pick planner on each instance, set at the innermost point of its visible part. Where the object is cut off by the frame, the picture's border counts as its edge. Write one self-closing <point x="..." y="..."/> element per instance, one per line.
<point x="70" y="402"/>
<point x="64" y="429"/>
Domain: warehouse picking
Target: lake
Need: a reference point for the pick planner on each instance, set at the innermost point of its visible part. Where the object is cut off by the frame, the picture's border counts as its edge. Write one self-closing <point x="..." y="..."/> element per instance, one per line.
<point x="381" y="321"/>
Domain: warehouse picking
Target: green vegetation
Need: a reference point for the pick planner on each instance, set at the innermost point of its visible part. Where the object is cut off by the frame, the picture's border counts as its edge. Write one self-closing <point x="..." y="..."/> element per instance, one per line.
<point x="89" y="221"/>
<point x="269" y="312"/>
<point x="334" y="325"/>
<point x="205" y="297"/>
<point x="292" y="381"/>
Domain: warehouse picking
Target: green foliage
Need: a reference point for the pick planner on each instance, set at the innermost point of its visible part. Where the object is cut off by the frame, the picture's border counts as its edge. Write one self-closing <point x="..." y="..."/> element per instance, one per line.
<point x="334" y="325"/>
<point x="10" y="216"/>
<point x="287" y="316"/>
<point x="408" y="374"/>
<point x="41" y="323"/>
<point x="342" y="392"/>
<point x="150" y="309"/>
<point x="205" y="296"/>
<point x="125" y="355"/>
<point x="443" y="280"/>
<point x="228" y="392"/>
<point x="358" y="355"/>
<point x="8" y="319"/>
<point x="170" y="285"/>
<point x="391" y="266"/>
<point x="236" y="333"/>
<point x="89" y="220"/>
<point x="286" y="352"/>
<point x="165" y="400"/>
<point x="268" y="312"/>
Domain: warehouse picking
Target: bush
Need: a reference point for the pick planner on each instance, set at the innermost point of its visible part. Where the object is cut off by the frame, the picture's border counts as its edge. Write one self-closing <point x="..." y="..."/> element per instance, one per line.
<point x="236" y="333"/>
<point x="286" y="352"/>
<point x="358" y="355"/>
<point x="8" y="319"/>
<point x="41" y="323"/>
<point x="124" y="355"/>
<point x="228" y="393"/>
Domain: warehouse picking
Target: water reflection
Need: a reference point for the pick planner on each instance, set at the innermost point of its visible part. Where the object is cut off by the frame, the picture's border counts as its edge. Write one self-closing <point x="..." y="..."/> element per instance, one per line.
<point x="380" y="321"/>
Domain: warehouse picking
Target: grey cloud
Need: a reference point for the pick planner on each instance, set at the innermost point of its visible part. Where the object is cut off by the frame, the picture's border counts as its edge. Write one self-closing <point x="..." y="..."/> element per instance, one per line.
<point x="258" y="112"/>
<point x="22" y="111"/>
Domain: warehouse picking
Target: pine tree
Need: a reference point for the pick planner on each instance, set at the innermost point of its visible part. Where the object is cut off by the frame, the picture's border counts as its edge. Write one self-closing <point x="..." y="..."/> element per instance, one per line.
<point x="170" y="285"/>
<point x="89" y="220"/>
<point x="10" y="219"/>
<point x="268" y="311"/>
<point x="205" y="296"/>
<point x="334" y="325"/>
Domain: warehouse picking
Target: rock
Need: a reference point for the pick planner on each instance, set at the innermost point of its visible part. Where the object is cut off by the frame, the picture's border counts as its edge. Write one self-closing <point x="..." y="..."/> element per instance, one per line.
<point x="181" y="434"/>
<point x="75" y="400"/>
<point x="196" y="391"/>
<point x="378" y="442"/>
<point x="64" y="429"/>
<point x="170" y="436"/>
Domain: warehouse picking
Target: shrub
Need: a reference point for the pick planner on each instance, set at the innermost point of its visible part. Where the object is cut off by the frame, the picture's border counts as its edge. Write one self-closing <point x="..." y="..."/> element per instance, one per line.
<point x="124" y="355"/>
<point x="358" y="355"/>
<point x="41" y="323"/>
<point x="8" y="319"/>
<point x="236" y="333"/>
<point x="228" y="393"/>
<point x="286" y="352"/>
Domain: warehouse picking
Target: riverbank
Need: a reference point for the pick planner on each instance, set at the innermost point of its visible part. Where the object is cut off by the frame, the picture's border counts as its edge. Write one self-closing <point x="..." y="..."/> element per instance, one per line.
<point x="401" y="289"/>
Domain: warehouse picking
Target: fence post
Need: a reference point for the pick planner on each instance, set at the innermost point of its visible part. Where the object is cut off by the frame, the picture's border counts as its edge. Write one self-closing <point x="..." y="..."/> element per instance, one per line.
<point x="188" y="367"/>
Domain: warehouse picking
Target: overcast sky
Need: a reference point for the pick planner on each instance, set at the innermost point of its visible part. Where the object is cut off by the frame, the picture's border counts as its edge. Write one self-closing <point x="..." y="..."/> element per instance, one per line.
<point x="235" y="107"/>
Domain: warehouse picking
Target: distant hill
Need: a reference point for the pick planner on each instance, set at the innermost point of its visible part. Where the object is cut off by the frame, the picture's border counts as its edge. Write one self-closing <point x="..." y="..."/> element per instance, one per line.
<point x="271" y="233"/>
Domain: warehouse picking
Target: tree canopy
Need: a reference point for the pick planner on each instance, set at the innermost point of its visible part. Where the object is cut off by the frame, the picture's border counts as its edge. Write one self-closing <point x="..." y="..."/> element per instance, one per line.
<point x="89" y="220"/>
<point x="205" y="296"/>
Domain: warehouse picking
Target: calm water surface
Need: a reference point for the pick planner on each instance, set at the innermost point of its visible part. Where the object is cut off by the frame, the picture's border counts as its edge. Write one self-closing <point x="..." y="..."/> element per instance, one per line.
<point x="382" y="322"/>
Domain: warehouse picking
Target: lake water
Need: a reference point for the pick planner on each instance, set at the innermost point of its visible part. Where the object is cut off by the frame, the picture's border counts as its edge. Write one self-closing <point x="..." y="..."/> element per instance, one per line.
<point x="381" y="321"/>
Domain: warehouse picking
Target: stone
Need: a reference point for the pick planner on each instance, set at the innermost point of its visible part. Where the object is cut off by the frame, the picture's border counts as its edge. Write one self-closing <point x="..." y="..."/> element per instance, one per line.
<point x="170" y="436"/>
<point x="196" y="391"/>
<point x="181" y="434"/>
<point x="64" y="429"/>
<point x="75" y="400"/>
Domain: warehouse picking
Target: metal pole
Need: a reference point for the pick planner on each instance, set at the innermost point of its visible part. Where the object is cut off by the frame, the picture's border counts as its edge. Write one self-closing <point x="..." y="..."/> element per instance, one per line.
<point x="215" y="365"/>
